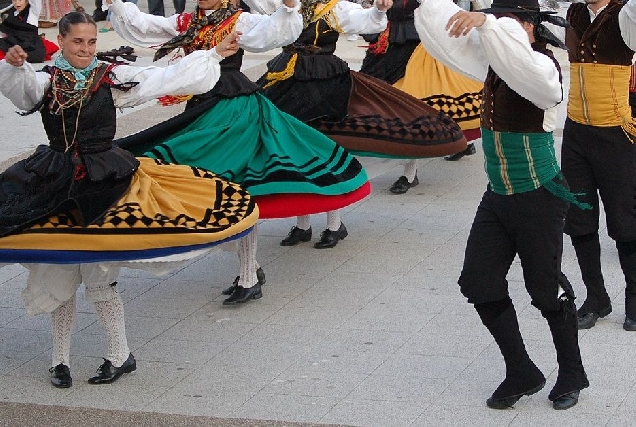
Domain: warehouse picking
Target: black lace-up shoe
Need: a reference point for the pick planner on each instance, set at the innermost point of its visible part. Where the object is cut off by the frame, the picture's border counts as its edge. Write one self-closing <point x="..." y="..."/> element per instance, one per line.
<point x="61" y="376"/>
<point x="402" y="185"/>
<point x="260" y="276"/>
<point x="107" y="373"/>
<point x="468" y="151"/>
<point x="329" y="239"/>
<point x="295" y="236"/>
<point x="242" y="295"/>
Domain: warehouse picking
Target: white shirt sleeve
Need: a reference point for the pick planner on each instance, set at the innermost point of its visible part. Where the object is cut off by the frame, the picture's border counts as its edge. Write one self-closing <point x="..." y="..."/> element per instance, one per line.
<point x="354" y="19"/>
<point x="264" y="7"/>
<point x="193" y="74"/>
<point x="462" y="54"/>
<point x="531" y="74"/>
<point x="139" y="28"/>
<point x="261" y="33"/>
<point x="627" y="23"/>
<point x="34" y="12"/>
<point x="23" y="86"/>
<point x="501" y="44"/>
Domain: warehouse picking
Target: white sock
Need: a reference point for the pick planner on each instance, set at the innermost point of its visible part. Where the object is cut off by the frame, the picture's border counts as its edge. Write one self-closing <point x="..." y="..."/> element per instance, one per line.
<point x="410" y="170"/>
<point x="111" y="314"/>
<point x="62" y="324"/>
<point x="302" y="222"/>
<point x="333" y="220"/>
<point x="247" y="260"/>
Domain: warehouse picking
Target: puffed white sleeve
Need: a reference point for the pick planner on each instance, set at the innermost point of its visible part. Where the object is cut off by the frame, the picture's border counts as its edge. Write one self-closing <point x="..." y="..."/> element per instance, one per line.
<point x="139" y="28"/>
<point x="462" y="54"/>
<point x="531" y="74"/>
<point x="627" y="24"/>
<point x="23" y="86"/>
<point x="34" y="12"/>
<point x="354" y="19"/>
<point x="194" y="74"/>
<point x="261" y="33"/>
<point x="264" y="7"/>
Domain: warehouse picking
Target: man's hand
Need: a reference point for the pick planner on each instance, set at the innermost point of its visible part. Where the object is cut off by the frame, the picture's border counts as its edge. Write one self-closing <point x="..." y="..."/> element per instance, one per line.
<point x="383" y="5"/>
<point x="15" y="56"/>
<point x="229" y="45"/>
<point x="462" y="22"/>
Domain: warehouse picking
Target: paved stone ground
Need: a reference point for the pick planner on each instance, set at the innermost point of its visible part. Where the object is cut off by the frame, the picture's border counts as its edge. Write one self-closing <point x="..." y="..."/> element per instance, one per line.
<point x="373" y="332"/>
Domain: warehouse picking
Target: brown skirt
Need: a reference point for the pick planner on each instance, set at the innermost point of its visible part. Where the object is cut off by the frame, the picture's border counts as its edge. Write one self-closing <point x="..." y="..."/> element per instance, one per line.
<point x="386" y="122"/>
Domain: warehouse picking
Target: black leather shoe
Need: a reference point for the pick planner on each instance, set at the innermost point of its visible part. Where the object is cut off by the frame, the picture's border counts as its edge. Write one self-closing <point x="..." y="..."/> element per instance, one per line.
<point x="566" y="401"/>
<point x="468" y="151"/>
<point x="509" y="401"/>
<point x="630" y="324"/>
<point x="329" y="239"/>
<point x="402" y="185"/>
<point x="295" y="236"/>
<point x="107" y="373"/>
<point x="588" y="320"/>
<point x="242" y="295"/>
<point x="99" y="15"/>
<point x="61" y="376"/>
<point x="260" y="276"/>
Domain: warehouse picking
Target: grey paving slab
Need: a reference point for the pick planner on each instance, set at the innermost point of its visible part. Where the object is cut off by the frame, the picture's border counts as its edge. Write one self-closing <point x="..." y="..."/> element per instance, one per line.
<point x="373" y="332"/>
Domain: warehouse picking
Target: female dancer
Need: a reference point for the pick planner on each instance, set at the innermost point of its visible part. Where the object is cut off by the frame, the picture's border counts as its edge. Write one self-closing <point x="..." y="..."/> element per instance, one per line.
<point x="235" y="131"/>
<point x="76" y="208"/>
<point x="397" y="57"/>
<point x="360" y="113"/>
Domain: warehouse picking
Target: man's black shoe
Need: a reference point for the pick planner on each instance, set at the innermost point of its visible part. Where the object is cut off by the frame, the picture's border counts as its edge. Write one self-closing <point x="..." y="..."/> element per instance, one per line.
<point x="509" y="401"/>
<point x="566" y="401"/>
<point x="402" y="185"/>
<point x="295" y="236"/>
<point x="107" y="373"/>
<point x="242" y="295"/>
<point x="61" y="376"/>
<point x="588" y="320"/>
<point x="468" y="151"/>
<point x="629" y="324"/>
<point x="260" y="276"/>
<point x="329" y="239"/>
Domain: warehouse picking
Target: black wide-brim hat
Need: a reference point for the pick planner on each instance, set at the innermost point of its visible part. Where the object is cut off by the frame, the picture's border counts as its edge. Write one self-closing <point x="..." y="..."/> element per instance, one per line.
<point x="515" y="6"/>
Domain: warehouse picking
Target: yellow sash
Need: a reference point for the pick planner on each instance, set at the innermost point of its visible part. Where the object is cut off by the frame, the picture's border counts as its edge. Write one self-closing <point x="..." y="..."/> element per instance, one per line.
<point x="599" y="96"/>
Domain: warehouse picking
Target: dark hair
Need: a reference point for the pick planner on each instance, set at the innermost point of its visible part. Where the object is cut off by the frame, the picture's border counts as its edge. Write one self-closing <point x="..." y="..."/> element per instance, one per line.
<point x="72" y="18"/>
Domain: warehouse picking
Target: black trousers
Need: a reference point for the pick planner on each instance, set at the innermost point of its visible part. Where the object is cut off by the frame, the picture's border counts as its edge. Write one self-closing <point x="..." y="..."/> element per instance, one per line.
<point x="528" y="224"/>
<point x="600" y="162"/>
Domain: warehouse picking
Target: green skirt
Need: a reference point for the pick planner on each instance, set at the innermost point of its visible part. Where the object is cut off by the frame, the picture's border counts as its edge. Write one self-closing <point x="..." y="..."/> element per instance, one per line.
<point x="288" y="167"/>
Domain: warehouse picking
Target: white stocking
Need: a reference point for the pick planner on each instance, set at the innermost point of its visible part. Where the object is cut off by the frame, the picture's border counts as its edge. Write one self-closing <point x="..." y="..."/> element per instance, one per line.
<point x="247" y="260"/>
<point x="410" y="170"/>
<point x="62" y="324"/>
<point x="302" y="222"/>
<point x="333" y="220"/>
<point x="111" y="314"/>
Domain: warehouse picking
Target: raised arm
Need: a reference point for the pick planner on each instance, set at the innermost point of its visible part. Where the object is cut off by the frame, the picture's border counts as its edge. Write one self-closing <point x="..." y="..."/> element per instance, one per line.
<point x="354" y="19"/>
<point x="20" y="83"/>
<point x="139" y="28"/>
<point x="462" y="54"/>
<point x="261" y="33"/>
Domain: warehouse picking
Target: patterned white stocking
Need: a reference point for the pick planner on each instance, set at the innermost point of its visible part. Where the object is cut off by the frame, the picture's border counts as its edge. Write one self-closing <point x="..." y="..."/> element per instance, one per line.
<point x="410" y="170"/>
<point x="333" y="220"/>
<point x="111" y="315"/>
<point x="62" y="325"/>
<point x="247" y="260"/>
<point x="302" y="222"/>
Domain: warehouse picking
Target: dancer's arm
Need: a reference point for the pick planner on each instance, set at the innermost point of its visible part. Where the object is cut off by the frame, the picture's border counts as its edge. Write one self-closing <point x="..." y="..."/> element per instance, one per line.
<point x="627" y="24"/>
<point x="261" y="33"/>
<point x="139" y="28"/>
<point x="20" y="83"/>
<point x="355" y="19"/>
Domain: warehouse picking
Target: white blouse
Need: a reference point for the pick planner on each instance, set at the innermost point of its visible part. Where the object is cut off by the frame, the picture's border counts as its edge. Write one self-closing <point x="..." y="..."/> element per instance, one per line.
<point x="502" y="44"/>
<point x="260" y="33"/>
<point x="352" y="17"/>
<point x="627" y="24"/>
<point x="194" y="74"/>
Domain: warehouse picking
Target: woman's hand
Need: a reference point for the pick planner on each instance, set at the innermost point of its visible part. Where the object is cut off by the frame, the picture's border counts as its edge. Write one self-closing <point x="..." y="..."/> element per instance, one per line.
<point x="462" y="22"/>
<point x="383" y="5"/>
<point x="109" y="1"/>
<point x="290" y="3"/>
<point x="229" y="45"/>
<point x="15" y="56"/>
